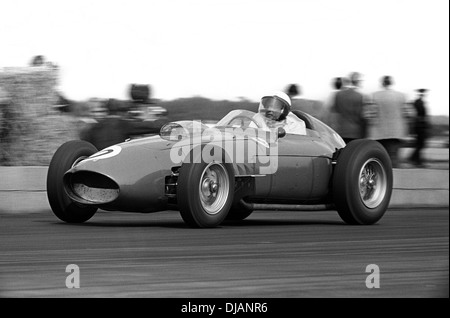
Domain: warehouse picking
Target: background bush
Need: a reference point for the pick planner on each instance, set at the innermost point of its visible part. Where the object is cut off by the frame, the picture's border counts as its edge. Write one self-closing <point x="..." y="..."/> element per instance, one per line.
<point x="30" y="127"/>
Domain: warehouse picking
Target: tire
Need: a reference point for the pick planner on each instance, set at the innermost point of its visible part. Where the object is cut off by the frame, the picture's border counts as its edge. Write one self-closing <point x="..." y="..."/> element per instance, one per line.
<point x="205" y="193"/>
<point x="238" y="213"/>
<point x="362" y="182"/>
<point x="63" y="159"/>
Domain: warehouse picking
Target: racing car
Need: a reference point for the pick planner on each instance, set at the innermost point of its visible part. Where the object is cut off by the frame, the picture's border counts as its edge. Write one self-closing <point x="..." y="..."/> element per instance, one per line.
<point x="226" y="171"/>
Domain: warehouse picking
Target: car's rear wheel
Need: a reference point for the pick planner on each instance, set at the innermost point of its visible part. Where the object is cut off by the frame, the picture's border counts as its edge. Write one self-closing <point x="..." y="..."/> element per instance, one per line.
<point x="205" y="193"/>
<point x="65" y="158"/>
<point x="362" y="182"/>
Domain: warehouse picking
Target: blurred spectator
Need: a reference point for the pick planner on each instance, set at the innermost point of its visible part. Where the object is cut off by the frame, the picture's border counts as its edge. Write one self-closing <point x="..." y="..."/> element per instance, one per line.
<point x="387" y="124"/>
<point x="329" y="113"/>
<point x="115" y="128"/>
<point x="311" y="107"/>
<point x="409" y="113"/>
<point x="40" y="60"/>
<point x="349" y="108"/>
<point x="140" y="93"/>
<point x="293" y="90"/>
<point x="338" y="82"/>
<point x="37" y="60"/>
<point x="420" y="128"/>
<point x="142" y="105"/>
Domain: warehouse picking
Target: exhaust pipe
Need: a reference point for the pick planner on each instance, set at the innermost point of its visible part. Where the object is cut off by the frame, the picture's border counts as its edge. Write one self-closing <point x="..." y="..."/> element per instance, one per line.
<point x="287" y="207"/>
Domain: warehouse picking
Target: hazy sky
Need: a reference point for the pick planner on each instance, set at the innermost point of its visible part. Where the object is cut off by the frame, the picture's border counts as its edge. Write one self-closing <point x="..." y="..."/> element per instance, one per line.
<point x="233" y="48"/>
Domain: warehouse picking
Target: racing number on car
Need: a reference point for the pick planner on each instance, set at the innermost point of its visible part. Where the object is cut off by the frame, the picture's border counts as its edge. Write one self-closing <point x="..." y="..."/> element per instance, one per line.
<point x="105" y="153"/>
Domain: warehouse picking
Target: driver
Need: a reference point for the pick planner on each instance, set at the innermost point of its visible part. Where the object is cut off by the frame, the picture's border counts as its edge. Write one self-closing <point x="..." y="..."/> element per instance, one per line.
<point x="276" y="108"/>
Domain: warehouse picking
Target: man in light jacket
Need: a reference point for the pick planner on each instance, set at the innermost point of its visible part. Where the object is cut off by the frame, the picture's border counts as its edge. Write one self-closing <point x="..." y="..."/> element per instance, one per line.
<point x="388" y="125"/>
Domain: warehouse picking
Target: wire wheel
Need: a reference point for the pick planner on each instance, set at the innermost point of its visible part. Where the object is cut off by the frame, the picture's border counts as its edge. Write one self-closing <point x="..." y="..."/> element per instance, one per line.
<point x="372" y="183"/>
<point x="214" y="187"/>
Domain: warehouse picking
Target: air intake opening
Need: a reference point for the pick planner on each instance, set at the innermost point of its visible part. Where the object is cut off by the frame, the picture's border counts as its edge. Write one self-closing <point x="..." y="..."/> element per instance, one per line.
<point x="93" y="187"/>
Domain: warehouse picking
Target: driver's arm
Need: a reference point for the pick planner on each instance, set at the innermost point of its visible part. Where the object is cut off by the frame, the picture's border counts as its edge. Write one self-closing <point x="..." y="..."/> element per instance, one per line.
<point x="252" y="124"/>
<point x="259" y="121"/>
<point x="294" y="125"/>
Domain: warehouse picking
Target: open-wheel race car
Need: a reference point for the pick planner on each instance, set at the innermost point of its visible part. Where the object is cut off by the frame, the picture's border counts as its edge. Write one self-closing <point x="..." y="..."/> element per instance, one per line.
<point x="224" y="172"/>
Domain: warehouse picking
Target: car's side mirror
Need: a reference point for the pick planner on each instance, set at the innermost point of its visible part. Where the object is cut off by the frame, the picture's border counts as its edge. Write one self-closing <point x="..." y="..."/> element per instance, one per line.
<point x="281" y="132"/>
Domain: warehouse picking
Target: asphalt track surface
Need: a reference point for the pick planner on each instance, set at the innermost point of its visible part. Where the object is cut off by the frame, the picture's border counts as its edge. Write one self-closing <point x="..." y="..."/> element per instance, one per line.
<point x="271" y="254"/>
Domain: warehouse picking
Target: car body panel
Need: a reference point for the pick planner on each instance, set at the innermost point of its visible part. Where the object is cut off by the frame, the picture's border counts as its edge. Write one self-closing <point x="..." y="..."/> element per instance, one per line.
<point x="142" y="167"/>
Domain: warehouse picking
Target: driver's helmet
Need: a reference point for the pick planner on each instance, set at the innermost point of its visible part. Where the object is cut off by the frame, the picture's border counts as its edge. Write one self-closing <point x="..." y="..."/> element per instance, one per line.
<point x="275" y="106"/>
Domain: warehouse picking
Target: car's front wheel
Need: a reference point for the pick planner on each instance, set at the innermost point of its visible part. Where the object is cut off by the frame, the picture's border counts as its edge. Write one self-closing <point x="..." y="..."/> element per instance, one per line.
<point x="362" y="182"/>
<point x="205" y="193"/>
<point x="65" y="158"/>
